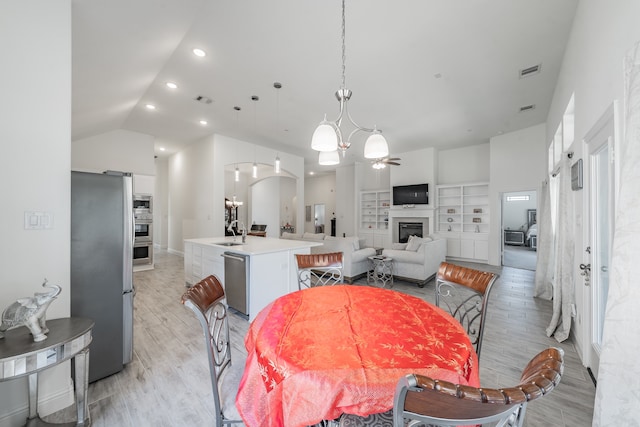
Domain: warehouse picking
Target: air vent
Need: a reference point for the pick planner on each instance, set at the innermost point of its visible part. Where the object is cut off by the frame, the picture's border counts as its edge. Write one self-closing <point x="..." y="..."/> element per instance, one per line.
<point x="203" y="99"/>
<point x="527" y="107"/>
<point x="526" y="72"/>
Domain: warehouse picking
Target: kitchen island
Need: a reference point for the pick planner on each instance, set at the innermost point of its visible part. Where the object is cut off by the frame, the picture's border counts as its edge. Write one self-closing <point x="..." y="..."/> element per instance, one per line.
<point x="272" y="270"/>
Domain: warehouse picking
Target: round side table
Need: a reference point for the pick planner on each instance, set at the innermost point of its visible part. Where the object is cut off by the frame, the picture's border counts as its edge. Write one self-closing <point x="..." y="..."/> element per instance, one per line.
<point x="381" y="271"/>
<point x="67" y="338"/>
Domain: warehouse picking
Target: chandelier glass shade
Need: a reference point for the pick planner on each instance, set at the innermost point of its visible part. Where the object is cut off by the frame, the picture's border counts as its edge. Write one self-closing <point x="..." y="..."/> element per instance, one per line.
<point x="328" y="136"/>
<point x="324" y="137"/>
<point x="376" y="146"/>
<point x="328" y="158"/>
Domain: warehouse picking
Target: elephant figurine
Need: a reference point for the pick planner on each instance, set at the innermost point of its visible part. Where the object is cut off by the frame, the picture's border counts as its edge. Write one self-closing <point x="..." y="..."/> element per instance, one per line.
<point x="30" y="312"/>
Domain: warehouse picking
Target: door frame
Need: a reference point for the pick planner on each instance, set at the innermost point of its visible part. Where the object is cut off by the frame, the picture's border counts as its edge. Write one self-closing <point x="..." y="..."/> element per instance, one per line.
<point x="608" y="121"/>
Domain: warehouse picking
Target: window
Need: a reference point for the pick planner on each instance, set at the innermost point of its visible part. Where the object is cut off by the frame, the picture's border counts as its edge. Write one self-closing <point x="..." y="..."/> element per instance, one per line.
<point x="517" y="198"/>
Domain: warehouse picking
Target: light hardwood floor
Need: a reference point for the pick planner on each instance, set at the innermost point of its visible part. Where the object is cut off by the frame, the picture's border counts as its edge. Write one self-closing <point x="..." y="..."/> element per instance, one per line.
<point x="167" y="384"/>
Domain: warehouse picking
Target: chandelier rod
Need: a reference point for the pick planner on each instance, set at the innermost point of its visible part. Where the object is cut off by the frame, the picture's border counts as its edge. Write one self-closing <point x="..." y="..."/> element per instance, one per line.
<point x="344" y="48"/>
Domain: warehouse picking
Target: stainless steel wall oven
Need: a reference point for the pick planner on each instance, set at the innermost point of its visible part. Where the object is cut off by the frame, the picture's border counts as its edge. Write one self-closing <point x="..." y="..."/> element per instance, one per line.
<point x="142" y="253"/>
<point x="142" y="203"/>
<point x="143" y="228"/>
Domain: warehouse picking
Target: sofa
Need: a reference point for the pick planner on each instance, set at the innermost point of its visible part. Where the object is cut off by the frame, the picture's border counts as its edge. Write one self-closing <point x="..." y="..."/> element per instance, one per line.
<point x="354" y="257"/>
<point x="418" y="259"/>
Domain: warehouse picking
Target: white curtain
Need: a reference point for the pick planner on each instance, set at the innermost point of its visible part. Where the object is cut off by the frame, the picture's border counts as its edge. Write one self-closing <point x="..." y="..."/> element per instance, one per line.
<point x="563" y="297"/>
<point x="544" y="264"/>
<point x="618" y="393"/>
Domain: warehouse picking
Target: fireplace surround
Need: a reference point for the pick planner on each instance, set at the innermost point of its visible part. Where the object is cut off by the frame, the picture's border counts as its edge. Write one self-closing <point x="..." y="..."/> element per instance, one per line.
<point x="425" y="216"/>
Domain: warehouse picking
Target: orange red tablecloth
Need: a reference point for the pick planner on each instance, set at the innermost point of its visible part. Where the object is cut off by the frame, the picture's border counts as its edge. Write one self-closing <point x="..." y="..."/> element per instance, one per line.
<point x="317" y="353"/>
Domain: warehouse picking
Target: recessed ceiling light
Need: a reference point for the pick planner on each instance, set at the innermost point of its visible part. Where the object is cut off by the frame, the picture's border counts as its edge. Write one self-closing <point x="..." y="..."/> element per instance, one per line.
<point x="150" y="107"/>
<point x="161" y="148"/>
<point x="199" y="52"/>
<point x="312" y="173"/>
<point x="203" y="122"/>
<point x="172" y="85"/>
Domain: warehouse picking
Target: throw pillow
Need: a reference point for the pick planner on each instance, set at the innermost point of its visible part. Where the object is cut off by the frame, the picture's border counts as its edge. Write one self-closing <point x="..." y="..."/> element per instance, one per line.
<point x="356" y="244"/>
<point x="414" y="243"/>
<point x="399" y="246"/>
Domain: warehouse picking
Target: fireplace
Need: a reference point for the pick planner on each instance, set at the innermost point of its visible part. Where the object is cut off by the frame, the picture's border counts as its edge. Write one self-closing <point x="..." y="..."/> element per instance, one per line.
<point x="425" y="216"/>
<point x="406" y="229"/>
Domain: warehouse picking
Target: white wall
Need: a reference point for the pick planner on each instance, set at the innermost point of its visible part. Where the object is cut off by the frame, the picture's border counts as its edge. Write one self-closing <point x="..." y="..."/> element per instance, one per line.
<point x="35" y="135"/>
<point x="418" y="167"/>
<point x="196" y="190"/>
<point x="191" y="199"/>
<point x="370" y="179"/>
<point x="464" y="165"/>
<point x="346" y="201"/>
<point x="517" y="163"/>
<point x="161" y="204"/>
<point x="120" y="150"/>
<point x="265" y="205"/>
<point x="317" y="191"/>
<point x="601" y="35"/>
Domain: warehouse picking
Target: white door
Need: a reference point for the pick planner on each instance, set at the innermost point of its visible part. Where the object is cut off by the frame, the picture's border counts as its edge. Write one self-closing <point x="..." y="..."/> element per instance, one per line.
<point x="595" y="269"/>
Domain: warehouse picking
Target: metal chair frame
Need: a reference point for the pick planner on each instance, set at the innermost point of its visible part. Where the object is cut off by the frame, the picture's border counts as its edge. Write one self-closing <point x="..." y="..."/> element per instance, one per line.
<point x="464" y="293"/>
<point x="207" y="300"/>
<point x="319" y="269"/>
<point x="421" y="399"/>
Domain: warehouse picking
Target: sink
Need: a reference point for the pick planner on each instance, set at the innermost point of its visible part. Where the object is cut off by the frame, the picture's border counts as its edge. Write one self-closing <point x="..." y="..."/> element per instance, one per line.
<point x="228" y="244"/>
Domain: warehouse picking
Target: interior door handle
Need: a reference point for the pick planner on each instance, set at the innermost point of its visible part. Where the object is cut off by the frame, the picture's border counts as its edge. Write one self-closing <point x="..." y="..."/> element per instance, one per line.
<point x="585" y="267"/>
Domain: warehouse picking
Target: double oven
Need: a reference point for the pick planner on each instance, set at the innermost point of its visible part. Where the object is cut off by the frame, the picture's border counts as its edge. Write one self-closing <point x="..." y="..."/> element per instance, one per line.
<point x="143" y="229"/>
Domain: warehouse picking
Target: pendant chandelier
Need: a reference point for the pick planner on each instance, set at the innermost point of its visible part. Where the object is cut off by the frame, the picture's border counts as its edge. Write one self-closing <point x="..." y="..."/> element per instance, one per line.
<point x="328" y="136"/>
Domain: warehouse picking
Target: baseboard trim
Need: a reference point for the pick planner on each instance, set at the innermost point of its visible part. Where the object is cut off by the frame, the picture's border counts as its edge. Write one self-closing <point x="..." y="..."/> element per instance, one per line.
<point x="593" y="378"/>
<point x="174" y="252"/>
<point x="46" y="406"/>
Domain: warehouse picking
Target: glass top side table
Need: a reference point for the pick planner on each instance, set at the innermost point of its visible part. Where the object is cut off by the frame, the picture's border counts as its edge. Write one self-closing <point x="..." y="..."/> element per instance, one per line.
<point x="67" y="338"/>
<point x="381" y="271"/>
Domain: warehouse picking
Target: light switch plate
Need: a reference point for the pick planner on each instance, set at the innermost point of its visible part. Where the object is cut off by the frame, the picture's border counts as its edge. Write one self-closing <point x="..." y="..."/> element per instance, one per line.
<point x="38" y="220"/>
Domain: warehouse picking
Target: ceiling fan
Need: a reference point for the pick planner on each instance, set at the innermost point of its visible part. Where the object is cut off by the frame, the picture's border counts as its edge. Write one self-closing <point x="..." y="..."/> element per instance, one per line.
<point x="382" y="163"/>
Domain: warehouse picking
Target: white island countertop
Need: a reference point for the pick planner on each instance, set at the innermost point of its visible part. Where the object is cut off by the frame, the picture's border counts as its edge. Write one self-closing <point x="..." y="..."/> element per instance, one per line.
<point x="254" y="245"/>
<point x="271" y="270"/>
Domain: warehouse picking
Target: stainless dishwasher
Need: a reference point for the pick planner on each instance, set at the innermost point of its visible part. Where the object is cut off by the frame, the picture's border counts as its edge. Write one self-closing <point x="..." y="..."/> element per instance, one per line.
<point x="236" y="277"/>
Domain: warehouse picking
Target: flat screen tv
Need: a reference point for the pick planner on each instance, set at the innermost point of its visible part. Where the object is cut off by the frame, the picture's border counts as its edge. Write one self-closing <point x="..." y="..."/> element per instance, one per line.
<point x="417" y="194"/>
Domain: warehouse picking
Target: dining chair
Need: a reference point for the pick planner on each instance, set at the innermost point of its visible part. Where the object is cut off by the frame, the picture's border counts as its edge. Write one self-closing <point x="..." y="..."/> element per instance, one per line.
<point x="319" y="269"/>
<point x="207" y="300"/>
<point x="464" y="293"/>
<point x="423" y="401"/>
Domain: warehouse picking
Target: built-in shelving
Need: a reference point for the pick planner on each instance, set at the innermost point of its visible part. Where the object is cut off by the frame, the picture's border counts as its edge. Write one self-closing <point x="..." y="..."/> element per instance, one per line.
<point x="462" y="217"/>
<point x="374" y="210"/>
<point x="374" y="218"/>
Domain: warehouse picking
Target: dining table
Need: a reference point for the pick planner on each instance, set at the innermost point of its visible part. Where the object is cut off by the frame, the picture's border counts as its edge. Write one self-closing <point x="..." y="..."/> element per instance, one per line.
<point x="320" y="352"/>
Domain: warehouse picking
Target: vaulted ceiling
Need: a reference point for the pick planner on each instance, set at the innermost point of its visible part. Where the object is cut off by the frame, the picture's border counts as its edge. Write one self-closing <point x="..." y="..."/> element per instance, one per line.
<point x="429" y="73"/>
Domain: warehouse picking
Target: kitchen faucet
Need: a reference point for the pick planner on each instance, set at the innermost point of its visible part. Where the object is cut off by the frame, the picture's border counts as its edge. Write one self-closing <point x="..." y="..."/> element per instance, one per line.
<point x="244" y="230"/>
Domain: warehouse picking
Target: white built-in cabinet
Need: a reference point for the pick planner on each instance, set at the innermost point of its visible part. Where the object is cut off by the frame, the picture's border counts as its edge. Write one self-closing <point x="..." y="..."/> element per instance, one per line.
<point x="374" y="218"/>
<point x="462" y="217"/>
<point x="201" y="261"/>
<point x="143" y="184"/>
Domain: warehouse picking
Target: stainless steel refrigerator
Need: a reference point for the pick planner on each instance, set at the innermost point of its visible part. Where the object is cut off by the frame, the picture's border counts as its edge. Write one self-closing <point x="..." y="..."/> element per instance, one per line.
<point x="102" y="266"/>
